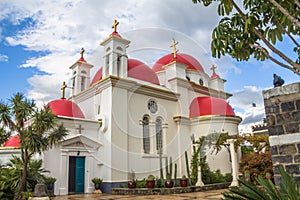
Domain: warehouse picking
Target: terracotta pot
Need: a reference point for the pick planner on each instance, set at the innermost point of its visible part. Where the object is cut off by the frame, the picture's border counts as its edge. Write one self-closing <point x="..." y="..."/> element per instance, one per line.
<point x="169" y="183"/>
<point x="150" y="184"/>
<point x="131" y="184"/>
<point x="183" y="182"/>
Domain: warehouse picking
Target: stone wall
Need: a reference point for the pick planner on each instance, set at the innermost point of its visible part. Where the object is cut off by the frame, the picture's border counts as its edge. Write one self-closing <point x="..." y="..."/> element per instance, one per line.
<point x="282" y="106"/>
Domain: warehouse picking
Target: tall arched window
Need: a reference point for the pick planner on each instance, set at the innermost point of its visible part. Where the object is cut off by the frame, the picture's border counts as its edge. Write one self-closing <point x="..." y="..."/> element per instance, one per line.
<point x="158" y="127"/>
<point x="146" y="138"/>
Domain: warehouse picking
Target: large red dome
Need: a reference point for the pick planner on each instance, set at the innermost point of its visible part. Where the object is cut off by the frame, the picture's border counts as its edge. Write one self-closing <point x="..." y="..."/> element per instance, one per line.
<point x="14" y="141"/>
<point x="64" y="107"/>
<point x="202" y="106"/>
<point x="186" y="59"/>
<point x="136" y="69"/>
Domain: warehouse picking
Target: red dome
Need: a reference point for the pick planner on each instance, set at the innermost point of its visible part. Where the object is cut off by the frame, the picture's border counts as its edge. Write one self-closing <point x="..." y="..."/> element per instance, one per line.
<point x="188" y="60"/>
<point x="14" y="141"/>
<point x="202" y="106"/>
<point x="66" y="108"/>
<point x="136" y="69"/>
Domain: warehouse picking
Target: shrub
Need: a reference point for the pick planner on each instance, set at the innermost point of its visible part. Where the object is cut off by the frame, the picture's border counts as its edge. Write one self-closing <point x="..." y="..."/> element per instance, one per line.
<point x="257" y="165"/>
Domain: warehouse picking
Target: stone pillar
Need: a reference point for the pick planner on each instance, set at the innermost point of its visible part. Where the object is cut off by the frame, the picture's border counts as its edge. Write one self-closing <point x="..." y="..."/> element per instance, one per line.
<point x="234" y="163"/>
<point x="282" y="106"/>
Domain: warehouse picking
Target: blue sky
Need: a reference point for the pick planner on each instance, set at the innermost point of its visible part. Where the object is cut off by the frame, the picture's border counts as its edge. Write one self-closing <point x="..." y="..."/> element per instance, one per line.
<point x="39" y="40"/>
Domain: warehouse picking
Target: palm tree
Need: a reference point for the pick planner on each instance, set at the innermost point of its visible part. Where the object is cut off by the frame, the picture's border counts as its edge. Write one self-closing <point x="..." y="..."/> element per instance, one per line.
<point x="37" y="128"/>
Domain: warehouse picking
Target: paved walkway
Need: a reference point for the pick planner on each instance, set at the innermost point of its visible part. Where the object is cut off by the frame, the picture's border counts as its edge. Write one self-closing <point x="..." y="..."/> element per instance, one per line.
<point x="209" y="195"/>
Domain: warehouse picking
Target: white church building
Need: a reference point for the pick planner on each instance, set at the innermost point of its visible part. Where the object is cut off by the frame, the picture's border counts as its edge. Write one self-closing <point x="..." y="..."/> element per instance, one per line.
<point x="119" y="118"/>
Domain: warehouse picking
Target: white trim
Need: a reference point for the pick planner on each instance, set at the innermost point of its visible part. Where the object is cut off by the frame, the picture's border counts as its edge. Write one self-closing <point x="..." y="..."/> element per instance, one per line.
<point x="284" y="139"/>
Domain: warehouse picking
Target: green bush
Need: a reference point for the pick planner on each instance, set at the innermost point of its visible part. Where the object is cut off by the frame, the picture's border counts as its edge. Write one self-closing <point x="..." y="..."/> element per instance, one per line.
<point x="141" y="183"/>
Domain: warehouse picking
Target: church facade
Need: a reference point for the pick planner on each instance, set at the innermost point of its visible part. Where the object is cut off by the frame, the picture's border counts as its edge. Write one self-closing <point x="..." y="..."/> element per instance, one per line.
<point x="121" y="117"/>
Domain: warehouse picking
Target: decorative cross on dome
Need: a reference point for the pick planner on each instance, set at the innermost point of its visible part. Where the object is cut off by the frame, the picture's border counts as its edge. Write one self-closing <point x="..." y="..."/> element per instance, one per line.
<point x="82" y="52"/>
<point x="213" y="68"/>
<point x="114" y="26"/>
<point x="63" y="88"/>
<point x="173" y="45"/>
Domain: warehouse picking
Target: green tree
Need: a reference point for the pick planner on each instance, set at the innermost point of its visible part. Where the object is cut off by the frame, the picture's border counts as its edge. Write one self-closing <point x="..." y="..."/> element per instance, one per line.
<point x="37" y="128"/>
<point x="253" y="27"/>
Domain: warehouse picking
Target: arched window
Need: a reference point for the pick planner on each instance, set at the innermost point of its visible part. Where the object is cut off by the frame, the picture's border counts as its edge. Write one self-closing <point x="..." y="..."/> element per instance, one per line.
<point x="158" y="127"/>
<point x="146" y="138"/>
<point x="201" y="81"/>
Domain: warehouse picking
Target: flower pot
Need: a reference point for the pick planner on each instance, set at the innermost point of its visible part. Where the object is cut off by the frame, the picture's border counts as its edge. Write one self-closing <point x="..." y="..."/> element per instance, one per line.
<point x="150" y="183"/>
<point x="97" y="186"/>
<point x="183" y="182"/>
<point x="131" y="184"/>
<point x="169" y="183"/>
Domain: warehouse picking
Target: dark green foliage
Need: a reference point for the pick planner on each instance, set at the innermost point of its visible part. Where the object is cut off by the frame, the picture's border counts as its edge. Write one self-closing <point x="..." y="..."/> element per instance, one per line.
<point x="10" y="178"/>
<point x="141" y="183"/>
<point x="266" y="191"/>
<point x="247" y="27"/>
<point x="41" y="133"/>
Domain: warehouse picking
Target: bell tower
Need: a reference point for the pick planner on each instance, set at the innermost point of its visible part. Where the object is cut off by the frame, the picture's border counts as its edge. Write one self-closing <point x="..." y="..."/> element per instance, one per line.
<point x="115" y="57"/>
<point x="80" y="74"/>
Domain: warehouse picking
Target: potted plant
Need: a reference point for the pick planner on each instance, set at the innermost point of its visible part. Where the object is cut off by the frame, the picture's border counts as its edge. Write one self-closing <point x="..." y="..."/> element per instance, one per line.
<point x="183" y="181"/>
<point x="131" y="183"/>
<point x="150" y="182"/>
<point x="49" y="182"/>
<point x="97" y="183"/>
<point x="169" y="182"/>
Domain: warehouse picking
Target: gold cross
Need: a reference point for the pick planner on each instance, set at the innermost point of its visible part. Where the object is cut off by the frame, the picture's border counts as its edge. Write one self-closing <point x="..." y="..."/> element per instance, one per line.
<point x="63" y="88"/>
<point x="114" y="26"/>
<point x="173" y="45"/>
<point x="213" y="68"/>
<point x="82" y="52"/>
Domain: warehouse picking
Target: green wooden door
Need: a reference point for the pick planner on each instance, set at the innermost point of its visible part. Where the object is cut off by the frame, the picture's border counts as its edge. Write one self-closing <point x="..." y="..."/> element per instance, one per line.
<point x="79" y="174"/>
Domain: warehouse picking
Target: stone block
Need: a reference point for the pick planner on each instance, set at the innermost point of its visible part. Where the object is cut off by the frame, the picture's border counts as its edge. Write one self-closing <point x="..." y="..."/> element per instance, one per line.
<point x="290" y="89"/>
<point x="288" y="106"/>
<point x="292" y="128"/>
<point x="297" y="158"/>
<point x="283" y="118"/>
<point x="282" y="159"/>
<point x="287" y="149"/>
<point x="272" y="109"/>
<point x="296" y="116"/>
<point x="292" y="169"/>
<point x="298" y="104"/>
<point x="276" y="130"/>
<point x="276" y="169"/>
<point x="271" y="120"/>
<point x="274" y="150"/>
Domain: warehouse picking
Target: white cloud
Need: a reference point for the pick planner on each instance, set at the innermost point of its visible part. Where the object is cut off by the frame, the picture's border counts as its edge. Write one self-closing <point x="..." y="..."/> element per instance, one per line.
<point x="3" y="58"/>
<point x="61" y="28"/>
<point x="248" y="104"/>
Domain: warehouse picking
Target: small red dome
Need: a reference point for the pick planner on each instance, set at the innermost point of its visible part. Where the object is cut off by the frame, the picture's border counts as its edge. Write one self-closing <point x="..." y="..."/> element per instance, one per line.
<point x="136" y="69"/>
<point x="186" y="59"/>
<point x="66" y="108"/>
<point x="202" y="106"/>
<point x="14" y="141"/>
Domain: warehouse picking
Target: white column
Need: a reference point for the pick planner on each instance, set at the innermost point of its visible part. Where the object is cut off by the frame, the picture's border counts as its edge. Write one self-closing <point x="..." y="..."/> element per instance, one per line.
<point x="152" y="136"/>
<point x="164" y="138"/>
<point x="63" y="175"/>
<point x="234" y="163"/>
<point x="199" y="181"/>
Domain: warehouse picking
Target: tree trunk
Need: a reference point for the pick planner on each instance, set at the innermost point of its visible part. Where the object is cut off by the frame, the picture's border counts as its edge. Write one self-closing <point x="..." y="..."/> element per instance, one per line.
<point x="24" y="175"/>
